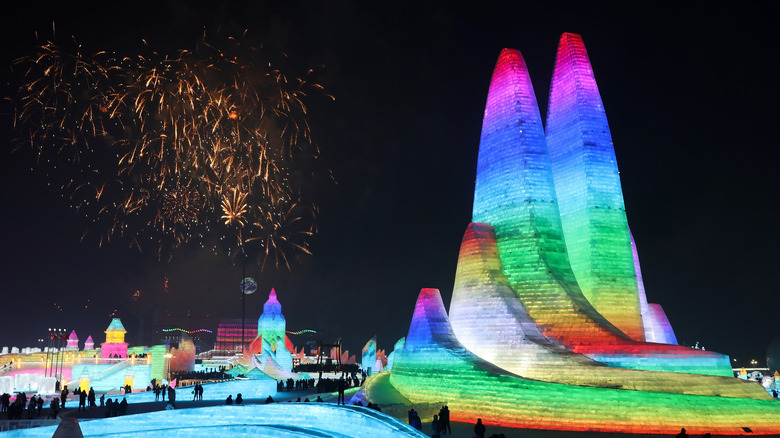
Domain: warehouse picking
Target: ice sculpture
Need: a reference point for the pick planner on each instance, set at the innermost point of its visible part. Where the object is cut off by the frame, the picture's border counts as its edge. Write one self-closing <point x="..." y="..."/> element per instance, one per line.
<point x="271" y="324"/>
<point x="434" y="367"/>
<point x="89" y="344"/>
<point x="183" y="357"/>
<point x="399" y="344"/>
<point x="510" y="339"/>
<point x="523" y="346"/>
<point x="46" y="385"/>
<point x="587" y="185"/>
<point x="515" y="194"/>
<point x="6" y="384"/>
<point x="658" y="325"/>
<point x="368" y="361"/>
<point x="271" y="328"/>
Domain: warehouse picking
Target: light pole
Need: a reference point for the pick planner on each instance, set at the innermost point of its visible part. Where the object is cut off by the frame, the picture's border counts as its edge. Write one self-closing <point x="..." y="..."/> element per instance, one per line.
<point x="248" y="286"/>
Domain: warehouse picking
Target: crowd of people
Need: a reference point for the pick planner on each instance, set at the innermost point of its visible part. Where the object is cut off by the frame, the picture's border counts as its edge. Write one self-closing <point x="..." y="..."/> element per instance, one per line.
<point x="239" y="399"/>
<point x="15" y="410"/>
<point x="115" y="408"/>
<point x="323" y="385"/>
<point x="440" y="424"/>
<point x="209" y="374"/>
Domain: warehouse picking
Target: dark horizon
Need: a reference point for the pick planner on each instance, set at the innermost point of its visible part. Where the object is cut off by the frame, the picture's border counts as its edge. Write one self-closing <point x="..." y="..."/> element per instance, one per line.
<point x="690" y="94"/>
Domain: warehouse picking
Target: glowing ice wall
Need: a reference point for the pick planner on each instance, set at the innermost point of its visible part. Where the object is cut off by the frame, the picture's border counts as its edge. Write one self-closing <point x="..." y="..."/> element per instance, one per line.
<point x="433" y="367"/>
<point x="587" y="184"/>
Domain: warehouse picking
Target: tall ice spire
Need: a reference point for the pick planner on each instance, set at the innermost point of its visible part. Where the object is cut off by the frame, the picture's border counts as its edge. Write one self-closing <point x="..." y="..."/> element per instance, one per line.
<point x="587" y="184"/>
<point x="514" y="193"/>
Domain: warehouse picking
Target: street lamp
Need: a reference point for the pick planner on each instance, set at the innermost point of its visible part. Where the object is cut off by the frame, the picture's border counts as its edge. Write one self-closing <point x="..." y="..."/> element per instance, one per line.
<point x="166" y="368"/>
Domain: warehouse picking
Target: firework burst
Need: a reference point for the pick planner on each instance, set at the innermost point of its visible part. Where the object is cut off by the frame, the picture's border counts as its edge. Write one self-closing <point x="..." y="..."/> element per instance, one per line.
<point x="181" y="205"/>
<point x="172" y="148"/>
<point x="234" y="208"/>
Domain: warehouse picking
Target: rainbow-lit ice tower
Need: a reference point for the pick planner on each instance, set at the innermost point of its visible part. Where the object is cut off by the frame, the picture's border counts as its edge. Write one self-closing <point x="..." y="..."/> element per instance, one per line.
<point x="271" y="325"/>
<point x="587" y="185"/>
<point x="549" y="326"/>
<point x="516" y="194"/>
<point x="271" y="329"/>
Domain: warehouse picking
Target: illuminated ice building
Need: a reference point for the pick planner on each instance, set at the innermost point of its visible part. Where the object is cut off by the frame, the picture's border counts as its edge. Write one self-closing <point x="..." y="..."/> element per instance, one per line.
<point x="549" y="326"/>
<point x="109" y="367"/>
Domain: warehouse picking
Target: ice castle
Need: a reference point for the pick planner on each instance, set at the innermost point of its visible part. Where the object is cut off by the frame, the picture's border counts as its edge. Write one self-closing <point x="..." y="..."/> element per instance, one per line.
<point x="549" y="326"/>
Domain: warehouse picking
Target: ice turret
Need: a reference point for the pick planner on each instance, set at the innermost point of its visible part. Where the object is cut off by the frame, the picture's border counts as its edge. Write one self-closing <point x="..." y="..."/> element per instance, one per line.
<point x="73" y="342"/>
<point x="115" y="345"/>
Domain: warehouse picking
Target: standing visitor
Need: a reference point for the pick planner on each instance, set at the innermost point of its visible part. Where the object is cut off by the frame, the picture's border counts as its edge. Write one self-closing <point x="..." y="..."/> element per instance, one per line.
<point x="444" y="419"/>
<point x="172" y="396"/>
<point x="54" y="408"/>
<point x="342" y="387"/>
<point x="435" y="427"/>
<point x="416" y="422"/>
<point x="31" y="407"/>
<point x="479" y="429"/>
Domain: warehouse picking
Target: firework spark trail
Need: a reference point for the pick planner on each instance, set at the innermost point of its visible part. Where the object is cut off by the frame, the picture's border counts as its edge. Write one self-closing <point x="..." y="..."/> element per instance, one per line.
<point x="174" y="148"/>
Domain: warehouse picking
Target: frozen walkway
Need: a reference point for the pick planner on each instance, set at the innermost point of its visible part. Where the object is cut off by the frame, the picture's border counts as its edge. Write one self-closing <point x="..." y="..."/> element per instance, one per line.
<point x="273" y="420"/>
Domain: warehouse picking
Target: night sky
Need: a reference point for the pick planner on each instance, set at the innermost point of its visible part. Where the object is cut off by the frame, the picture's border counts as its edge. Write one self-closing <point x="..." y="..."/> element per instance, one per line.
<point x="691" y="96"/>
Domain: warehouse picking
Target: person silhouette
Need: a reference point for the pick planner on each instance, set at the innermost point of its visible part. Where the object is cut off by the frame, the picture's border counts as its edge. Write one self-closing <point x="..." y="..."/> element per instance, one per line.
<point x="479" y="429"/>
